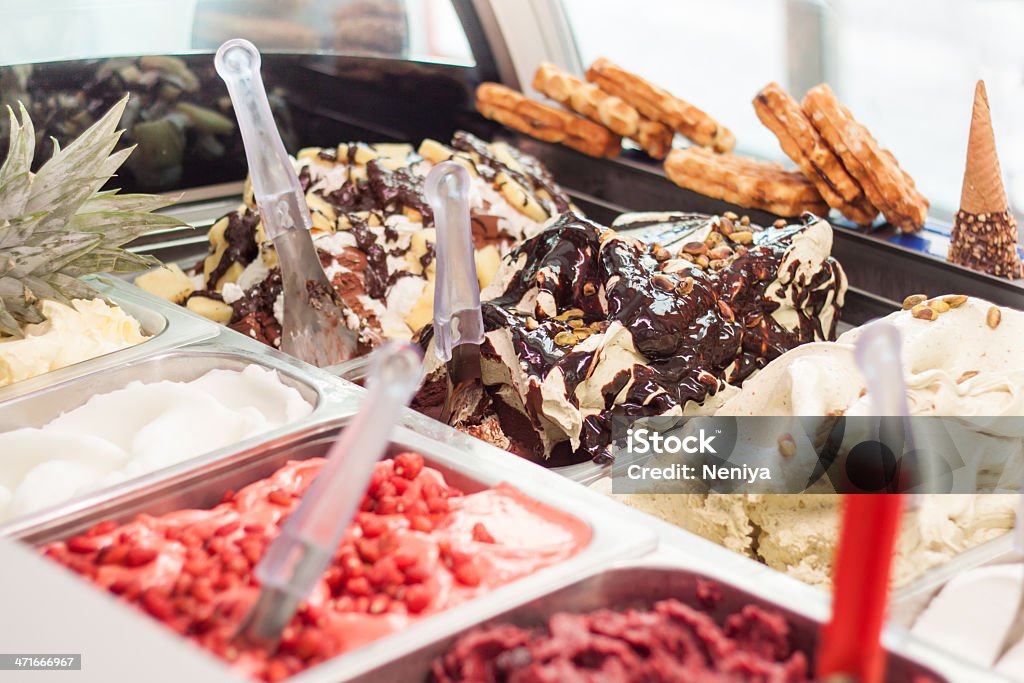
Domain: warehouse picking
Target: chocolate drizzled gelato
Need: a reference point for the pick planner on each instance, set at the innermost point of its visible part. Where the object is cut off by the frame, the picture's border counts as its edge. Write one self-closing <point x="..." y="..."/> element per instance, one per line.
<point x="374" y="232"/>
<point x="585" y="324"/>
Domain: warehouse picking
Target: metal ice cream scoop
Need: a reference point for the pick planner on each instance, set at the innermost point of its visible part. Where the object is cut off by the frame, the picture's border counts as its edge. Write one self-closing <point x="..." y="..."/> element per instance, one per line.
<point x="458" y="321"/>
<point x="314" y="327"/>
<point x="309" y="538"/>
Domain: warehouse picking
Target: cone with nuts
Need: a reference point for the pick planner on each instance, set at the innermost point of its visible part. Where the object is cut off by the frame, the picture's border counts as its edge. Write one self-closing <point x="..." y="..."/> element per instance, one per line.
<point x="984" y="231"/>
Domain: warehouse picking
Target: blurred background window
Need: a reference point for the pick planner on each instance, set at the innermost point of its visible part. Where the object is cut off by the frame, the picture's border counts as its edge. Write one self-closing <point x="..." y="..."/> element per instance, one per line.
<point x="426" y="30"/>
<point x="906" y="69"/>
<point x="69" y="61"/>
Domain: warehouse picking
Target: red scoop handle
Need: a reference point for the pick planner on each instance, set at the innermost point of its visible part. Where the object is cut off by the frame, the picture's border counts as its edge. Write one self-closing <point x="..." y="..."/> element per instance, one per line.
<point x="850" y="643"/>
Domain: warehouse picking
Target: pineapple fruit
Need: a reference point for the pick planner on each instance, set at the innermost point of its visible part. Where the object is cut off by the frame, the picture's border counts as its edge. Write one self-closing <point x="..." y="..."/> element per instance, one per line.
<point x="168" y="282"/>
<point x="422" y="312"/>
<point x="56" y="225"/>
<point x="217" y="311"/>
<point x="488" y="260"/>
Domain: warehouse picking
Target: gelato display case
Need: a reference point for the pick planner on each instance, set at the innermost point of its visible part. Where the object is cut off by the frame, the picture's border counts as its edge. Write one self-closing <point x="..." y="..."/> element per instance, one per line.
<point x="684" y="217"/>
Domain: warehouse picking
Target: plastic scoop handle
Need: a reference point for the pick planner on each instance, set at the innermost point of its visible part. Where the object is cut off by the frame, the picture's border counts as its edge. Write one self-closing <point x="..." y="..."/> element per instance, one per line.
<point x="851" y="641"/>
<point x="457" y="316"/>
<point x="877" y="351"/>
<point x="298" y="557"/>
<point x="274" y="183"/>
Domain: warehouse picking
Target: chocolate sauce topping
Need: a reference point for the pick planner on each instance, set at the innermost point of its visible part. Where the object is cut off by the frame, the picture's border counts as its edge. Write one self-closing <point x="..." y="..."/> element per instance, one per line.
<point x="253" y="314"/>
<point x="398" y="188"/>
<point x="535" y="176"/>
<point x="305" y="179"/>
<point x="242" y="248"/>
<point x="376" y="259"/>
<point x="695" y="328"/>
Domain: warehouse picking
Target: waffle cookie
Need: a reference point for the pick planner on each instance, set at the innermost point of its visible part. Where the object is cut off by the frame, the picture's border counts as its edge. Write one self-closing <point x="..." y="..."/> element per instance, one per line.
<point x="536" y="119"/>
<point x="804" y="145"/>
<point x="746" y="182"/>
<point x="610" y="111"/>
<point x="886" y="185"/>
<point x="658" y="104"/>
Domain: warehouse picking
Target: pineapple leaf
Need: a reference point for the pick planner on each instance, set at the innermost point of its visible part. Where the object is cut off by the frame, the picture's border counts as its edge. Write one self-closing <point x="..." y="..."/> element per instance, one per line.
<point x="109" y="261"/>
<point x="8" y="323"/>
<point x="73" y="172"/>
<point x="11" y="287"/>
<point x="15" y="176"/>
<point x="42" y="290"/>
<point x="57" y="225"/>
<point x="72" y="287"/>
<point x="114" y="227"/>
<point x="22" y="262"/>
<point x="110" y="200"/>
<point x="23" y="310"/>
<point x="20" y="233"/>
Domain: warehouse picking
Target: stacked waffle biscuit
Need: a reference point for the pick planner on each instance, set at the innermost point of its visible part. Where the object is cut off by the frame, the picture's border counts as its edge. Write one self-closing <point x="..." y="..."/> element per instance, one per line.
<point x="597" y="113"/>
<point x="851" y="172"/>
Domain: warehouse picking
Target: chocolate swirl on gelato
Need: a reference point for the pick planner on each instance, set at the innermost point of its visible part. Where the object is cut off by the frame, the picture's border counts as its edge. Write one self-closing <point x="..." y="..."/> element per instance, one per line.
<point x="587" y="324"/>
<point x="242" y="248"/>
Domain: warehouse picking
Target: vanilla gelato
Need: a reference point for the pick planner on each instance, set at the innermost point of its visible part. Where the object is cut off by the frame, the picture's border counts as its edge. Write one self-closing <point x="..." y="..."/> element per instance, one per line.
<point x="69" y="335"/>
<point x="137" y="430"/>
<point x="964" y="362"/>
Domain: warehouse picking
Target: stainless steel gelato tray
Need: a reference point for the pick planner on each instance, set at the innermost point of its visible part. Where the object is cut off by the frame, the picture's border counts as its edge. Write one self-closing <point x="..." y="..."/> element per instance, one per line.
<point x="203" y="486"/>
<point x="642" y="583"/>
<point x="329" y="398"/>
<point x="166" y="325"/>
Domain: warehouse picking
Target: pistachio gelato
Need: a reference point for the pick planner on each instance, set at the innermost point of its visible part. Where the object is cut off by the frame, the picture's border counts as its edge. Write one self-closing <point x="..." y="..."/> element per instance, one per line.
<point x="961" y="359"/>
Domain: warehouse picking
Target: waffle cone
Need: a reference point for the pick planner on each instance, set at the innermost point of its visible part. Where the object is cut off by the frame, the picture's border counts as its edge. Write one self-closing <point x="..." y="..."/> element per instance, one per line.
<point x="982" y="190"/>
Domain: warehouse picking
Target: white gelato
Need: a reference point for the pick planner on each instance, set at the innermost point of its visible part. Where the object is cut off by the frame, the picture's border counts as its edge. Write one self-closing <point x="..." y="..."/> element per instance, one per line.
<point x="139" y="429"/>
<point x="69" y="335"/>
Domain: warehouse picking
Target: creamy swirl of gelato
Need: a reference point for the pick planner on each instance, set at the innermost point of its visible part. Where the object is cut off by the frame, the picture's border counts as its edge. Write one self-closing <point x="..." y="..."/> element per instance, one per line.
<point x="70" y="334"/>
<point x="957" y="364"/>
